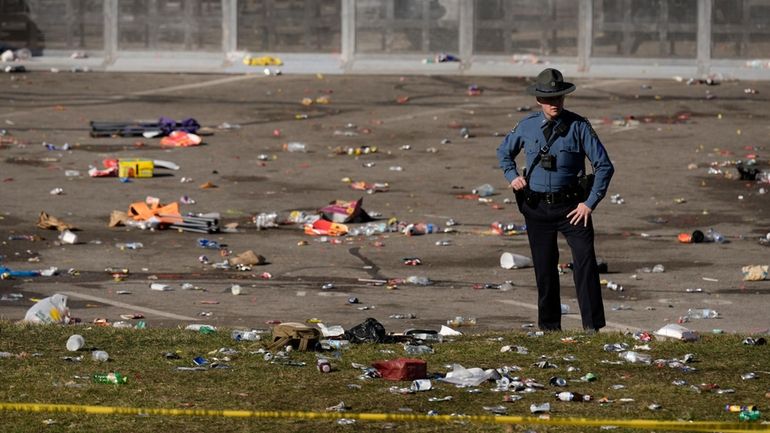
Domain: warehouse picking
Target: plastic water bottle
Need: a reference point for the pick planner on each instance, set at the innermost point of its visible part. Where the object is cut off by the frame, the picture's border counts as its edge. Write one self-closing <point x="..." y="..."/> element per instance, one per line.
<point x="635" y="357"/>
<point x="702" y="313"/>
<point x="100" y="356"/>
<point x="334" y="344"/>
<point x="461" y="321"/>
<point x="715" y="236"/>
<point x="418" y="280"/>
<point x="484" y="190"/>
<point x="206" y="243"/>
<point x="266" y="220"/>
<point x="417" y="349"/>
<point x="295" y="146"/>
<point x="572" y="396"/>
<point x="115" y="378"/>
<point x="130" y="246"/>
<point x="241" y="335"/>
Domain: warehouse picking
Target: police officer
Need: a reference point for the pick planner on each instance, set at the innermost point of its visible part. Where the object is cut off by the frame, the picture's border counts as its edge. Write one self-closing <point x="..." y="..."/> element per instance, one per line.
<point x="555" y="196"/>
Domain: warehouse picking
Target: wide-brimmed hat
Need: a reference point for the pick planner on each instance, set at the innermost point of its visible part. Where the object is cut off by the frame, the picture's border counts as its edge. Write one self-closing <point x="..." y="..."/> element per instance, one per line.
<point x="550" y="83"/>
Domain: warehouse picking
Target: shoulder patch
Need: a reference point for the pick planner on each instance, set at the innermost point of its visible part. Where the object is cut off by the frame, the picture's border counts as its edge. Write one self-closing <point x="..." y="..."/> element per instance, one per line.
<point x="591" y="129"/>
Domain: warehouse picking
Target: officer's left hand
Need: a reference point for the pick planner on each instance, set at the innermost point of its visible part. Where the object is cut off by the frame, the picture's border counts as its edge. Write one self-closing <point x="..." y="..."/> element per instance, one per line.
<point x="581" y="212"/>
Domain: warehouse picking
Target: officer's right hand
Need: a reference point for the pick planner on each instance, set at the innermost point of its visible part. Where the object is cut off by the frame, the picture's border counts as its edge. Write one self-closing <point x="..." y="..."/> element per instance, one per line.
<point x="519" y="183"/>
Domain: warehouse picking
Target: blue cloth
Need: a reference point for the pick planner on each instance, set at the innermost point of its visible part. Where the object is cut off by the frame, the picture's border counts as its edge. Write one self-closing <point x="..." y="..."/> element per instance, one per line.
<point x="167" y="126"/>
<point x="18" y="274"/>
<point x="576" y="141"/>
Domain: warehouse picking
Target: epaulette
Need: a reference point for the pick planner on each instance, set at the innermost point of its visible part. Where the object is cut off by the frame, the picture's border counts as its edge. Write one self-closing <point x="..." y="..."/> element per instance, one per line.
<point x="524" y="119"/>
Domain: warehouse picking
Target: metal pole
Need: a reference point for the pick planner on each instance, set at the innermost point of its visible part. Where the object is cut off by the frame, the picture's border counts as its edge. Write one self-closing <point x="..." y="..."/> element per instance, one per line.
<point x="348" y="33"/>
<point x="110" y="31"/>
<point x="704" y="36"/>
<point x="585" y="34"/>
<point x="229" y="26"/>
<point x="466" y="33"/>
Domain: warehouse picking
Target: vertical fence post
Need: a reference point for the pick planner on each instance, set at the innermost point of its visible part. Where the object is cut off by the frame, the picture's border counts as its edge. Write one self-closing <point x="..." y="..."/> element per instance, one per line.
<point x="466" y="33"/>
<point x="347" y="33"/>
<point x="585" y="34"/>
<point x="110" y="31"/>
<point x="229" y="26"/>
<point x="704" y="36"/>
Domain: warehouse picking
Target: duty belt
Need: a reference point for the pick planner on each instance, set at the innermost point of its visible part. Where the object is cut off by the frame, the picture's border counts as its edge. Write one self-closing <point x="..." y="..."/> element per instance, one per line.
<point x="562" y="196"/>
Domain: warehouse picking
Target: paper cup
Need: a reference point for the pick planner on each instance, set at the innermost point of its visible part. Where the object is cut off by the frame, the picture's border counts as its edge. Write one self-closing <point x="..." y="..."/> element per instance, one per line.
<point x="514" y="261"/>
<point x="75" y="342"/>
<point x="235" y="289"/>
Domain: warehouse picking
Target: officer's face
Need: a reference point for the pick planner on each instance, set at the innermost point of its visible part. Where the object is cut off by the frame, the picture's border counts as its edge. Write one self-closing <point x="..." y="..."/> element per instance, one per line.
<point x="551" y="106"/>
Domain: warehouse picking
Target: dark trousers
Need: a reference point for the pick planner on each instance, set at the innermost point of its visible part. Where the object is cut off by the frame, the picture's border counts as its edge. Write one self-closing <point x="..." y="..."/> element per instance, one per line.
<point x="544" y="222"/>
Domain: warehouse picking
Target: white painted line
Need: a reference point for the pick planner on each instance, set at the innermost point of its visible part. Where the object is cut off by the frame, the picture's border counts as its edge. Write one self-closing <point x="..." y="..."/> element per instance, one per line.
<point x="301" y="293"/>
<point x="196" y="85"/>
<point x="129" y="306"/>
<point x="613" y="325"/>
<point x="145" y="92"/>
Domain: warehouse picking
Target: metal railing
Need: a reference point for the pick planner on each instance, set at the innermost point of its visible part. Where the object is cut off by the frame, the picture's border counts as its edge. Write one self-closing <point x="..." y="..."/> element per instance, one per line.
<point x="636" y="38"/>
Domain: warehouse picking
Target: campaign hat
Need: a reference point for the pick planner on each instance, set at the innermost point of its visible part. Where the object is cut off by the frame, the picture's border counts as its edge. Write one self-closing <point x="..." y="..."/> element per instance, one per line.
<point x="550" y="82"/>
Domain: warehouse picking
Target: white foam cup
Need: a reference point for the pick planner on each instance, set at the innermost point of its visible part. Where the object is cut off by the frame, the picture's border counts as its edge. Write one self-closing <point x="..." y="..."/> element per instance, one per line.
<point x="514" y="261"/>
<point x="75" y="342"/>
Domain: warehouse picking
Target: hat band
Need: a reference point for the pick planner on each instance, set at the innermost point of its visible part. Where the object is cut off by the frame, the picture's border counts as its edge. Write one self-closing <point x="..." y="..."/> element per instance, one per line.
<point x="548" y="91"/>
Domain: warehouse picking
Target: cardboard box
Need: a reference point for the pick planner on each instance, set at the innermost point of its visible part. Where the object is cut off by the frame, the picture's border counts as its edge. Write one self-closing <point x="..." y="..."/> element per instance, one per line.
<point x="135" y="168"/>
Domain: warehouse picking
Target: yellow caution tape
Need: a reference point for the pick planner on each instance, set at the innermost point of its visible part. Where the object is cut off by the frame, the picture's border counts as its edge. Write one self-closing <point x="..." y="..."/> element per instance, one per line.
<point x="693" y="426"/>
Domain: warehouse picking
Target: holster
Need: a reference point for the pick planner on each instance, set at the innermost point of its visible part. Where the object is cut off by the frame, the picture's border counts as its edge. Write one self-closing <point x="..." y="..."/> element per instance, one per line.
<point x="586" y="183"/>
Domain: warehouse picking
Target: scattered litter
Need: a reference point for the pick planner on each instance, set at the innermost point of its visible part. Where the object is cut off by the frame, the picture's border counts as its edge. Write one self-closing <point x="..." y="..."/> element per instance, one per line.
<point x="754" y="272"/>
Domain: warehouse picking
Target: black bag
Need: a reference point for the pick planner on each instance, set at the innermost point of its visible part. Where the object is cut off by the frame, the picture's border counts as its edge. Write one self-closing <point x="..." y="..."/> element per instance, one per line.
<point x="369" y="331"/>
<point x="585" y="183"/>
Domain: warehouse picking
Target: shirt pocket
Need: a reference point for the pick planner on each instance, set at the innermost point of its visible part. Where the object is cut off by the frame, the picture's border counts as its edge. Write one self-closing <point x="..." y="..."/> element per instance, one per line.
<point x="531" y="151"/>
<point x="570" y="157"/>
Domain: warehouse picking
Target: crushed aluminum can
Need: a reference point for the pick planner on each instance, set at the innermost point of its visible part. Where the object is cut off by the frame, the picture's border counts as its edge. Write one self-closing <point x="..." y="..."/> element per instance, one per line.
<point x="421" y="385"/>
<point x="749" y="376"/>
<point x="498" y="410"/>
<point x="558" y="381"/>
<point x="544" y="364"/>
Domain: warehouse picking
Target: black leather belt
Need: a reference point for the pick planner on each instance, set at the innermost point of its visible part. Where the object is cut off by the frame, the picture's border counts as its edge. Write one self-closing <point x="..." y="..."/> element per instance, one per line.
<point x="563" y="196"/>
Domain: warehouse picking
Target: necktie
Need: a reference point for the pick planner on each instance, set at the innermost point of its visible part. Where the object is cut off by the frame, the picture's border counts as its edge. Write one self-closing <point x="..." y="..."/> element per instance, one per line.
<point x="548" y="129"/>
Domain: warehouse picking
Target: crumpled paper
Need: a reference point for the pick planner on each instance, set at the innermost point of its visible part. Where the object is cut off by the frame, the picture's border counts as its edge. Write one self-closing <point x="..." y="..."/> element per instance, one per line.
<point x="46" y="221"/>
<point x="754" y="272"/>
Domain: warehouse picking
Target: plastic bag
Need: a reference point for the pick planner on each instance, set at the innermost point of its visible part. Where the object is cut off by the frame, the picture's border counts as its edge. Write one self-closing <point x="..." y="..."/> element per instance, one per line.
<point x="369" y="331"/>
<point x="462" y="376"/>
<point x="52" y="309"/>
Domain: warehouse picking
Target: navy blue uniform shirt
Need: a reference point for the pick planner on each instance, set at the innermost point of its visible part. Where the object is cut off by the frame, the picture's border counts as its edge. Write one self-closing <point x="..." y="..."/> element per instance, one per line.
<point x="576" y="140"/>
